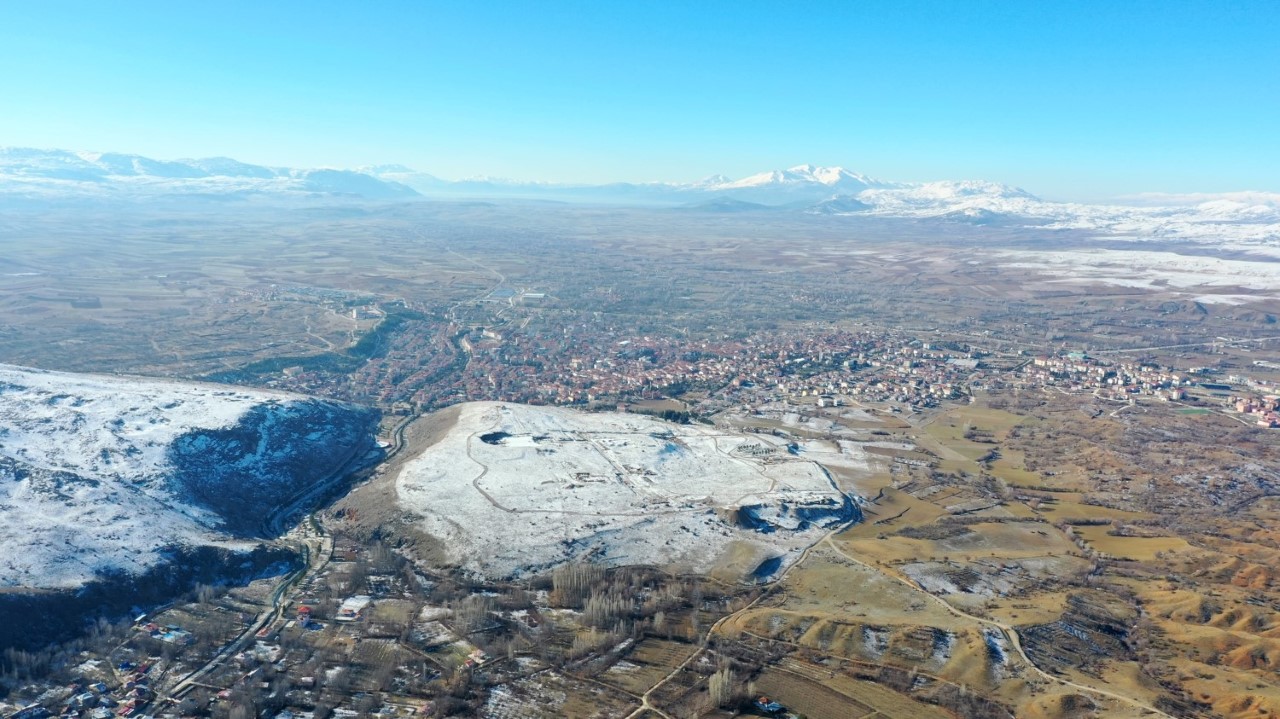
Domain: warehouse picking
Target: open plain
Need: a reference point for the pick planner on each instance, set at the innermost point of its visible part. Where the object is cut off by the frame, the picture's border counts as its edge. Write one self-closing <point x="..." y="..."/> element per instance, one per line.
<point x="621" y="441"/>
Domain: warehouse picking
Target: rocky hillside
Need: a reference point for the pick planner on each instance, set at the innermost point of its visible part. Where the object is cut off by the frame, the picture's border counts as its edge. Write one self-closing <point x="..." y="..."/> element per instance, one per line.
<point x="103" y="477"/>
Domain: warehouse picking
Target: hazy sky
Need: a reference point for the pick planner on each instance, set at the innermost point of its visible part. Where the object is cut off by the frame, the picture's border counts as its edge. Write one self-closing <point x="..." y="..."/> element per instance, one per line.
<point x="1067" y="99"/>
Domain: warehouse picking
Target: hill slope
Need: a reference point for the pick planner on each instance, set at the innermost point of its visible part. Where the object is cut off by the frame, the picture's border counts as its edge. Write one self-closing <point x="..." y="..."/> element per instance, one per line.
<point x="107" y="476"/>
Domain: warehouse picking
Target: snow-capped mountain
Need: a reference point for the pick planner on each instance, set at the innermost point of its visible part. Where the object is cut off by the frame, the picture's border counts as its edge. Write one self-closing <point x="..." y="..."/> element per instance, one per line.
<point x="966" y="199"/>
<point x="1250" y="220"/>
<point x="35" y="173"/>
<point x="836" y="179"/>
<point x="802" y="183"/>
<point x="104" y="476"/>
<point x="1243" y="220"/>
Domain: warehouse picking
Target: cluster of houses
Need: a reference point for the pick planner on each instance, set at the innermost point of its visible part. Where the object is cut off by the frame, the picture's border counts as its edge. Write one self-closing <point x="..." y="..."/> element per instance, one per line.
<point x="580" y="364"/>
<point x="1265" y="409"/>
<point x="803" y="364"/>
<point x="1079" y="372"/>
<point x="103" y="702"/>
<point x="306" y="621"/>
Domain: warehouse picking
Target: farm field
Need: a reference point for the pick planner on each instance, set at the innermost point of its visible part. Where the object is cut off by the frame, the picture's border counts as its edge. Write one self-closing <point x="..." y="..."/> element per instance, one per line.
<point x="649" y="661"/>
<point x="1143" y="549"/>
<point x="1005" y="540"/>
<point x="553" y="695"/>
<point x="808" y="697"/>
<point x="821" y="691"/>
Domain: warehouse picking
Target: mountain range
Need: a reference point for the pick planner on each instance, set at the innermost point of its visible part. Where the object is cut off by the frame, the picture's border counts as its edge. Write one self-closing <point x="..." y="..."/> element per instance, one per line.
<point x="1246" y="220"/>
<point x="53" y="174"/>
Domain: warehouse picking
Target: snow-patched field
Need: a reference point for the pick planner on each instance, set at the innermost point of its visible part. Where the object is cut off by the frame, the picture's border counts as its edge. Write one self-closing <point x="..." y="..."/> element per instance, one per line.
<point x="88" y="482"/>
<point x="514" y="488"/>
<point x="1195" y="276"/>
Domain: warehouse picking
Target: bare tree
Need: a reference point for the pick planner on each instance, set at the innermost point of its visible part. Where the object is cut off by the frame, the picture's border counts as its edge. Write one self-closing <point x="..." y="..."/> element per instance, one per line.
<point x="723" y="688"/>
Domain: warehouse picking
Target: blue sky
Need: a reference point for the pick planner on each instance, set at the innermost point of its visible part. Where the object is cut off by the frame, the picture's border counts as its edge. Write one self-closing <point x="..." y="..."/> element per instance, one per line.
<point x="1068" y="99"/>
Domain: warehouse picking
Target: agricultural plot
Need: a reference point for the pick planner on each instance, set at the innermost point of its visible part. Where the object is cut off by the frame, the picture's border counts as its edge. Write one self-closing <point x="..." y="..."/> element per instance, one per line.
<point x="374" y="660"/>
<point x="650" y="661"/>
<point x="891" y="510"/>
<point x="831" y="586"/>
<point x="991" y="577"/>
<point x="395" y="612"/>
<point x="1139" y="548"/>
<point x="554" y="695"/>
<point x="681" y="691"/>
<point x="870" y="695"/>
<point x="1069" y="507"/>
<point x="808" y="697"/>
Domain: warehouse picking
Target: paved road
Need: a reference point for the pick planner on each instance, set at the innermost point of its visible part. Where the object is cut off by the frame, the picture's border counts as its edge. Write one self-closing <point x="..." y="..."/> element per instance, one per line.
<point x="278" y="603"/>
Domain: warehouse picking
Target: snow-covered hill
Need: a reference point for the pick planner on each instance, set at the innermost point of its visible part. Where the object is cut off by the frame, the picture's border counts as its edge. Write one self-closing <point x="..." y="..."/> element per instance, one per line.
<point x="512" y="489"/>
<point x="104" y="475"/>
<point x="56" y="174"/>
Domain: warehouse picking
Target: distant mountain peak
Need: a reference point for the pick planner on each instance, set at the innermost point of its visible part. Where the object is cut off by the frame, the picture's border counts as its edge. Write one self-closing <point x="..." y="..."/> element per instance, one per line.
<point x="389" y="169"/>
<point x="825" y="175"/>
<point x="807" y="175"/>
<point x="713" y="180"/>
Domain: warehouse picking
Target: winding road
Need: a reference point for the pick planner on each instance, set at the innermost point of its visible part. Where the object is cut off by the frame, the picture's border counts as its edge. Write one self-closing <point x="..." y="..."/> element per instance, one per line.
<point x="1007" y="630"/>
<point x="1015" y="640"/>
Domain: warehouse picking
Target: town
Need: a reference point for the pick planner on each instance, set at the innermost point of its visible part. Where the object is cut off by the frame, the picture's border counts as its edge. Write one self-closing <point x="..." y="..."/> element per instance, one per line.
<point x="586" y="365"/>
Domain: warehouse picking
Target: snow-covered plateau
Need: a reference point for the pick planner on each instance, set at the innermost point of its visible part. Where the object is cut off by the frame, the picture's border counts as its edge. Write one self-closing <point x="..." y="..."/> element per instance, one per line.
<point x="107" y="476"/>
<point x="512" y="489"/>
